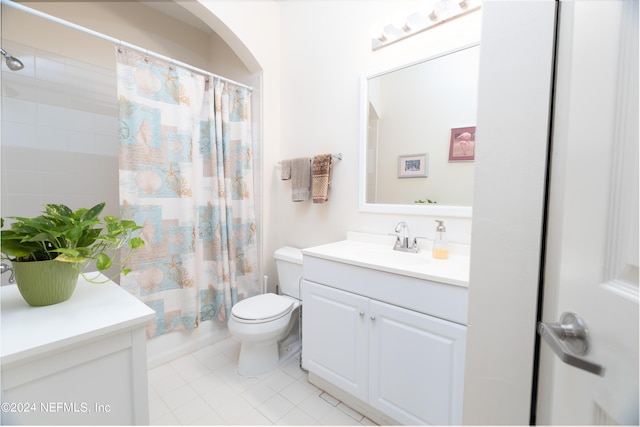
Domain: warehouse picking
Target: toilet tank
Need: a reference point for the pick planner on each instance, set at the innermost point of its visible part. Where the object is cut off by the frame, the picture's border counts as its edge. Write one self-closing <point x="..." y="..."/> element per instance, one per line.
<point x="289" y="265"/>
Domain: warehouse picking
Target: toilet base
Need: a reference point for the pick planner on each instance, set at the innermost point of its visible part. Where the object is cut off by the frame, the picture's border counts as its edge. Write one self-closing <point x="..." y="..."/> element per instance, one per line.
<point x="258" y="358"/>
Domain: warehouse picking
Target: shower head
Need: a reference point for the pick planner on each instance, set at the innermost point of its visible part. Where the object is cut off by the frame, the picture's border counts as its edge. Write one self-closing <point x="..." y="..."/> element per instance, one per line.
<point x="14" y="64"/>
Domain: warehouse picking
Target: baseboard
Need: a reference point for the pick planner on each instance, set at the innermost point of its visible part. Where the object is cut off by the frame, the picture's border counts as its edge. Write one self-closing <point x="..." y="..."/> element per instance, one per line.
<point x="354" y="403"/>
<point x="168" y="347"/>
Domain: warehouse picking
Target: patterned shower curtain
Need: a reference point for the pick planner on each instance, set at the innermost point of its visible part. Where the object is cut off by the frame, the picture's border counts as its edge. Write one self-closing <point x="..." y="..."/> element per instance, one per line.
<point x="186" y="177"/>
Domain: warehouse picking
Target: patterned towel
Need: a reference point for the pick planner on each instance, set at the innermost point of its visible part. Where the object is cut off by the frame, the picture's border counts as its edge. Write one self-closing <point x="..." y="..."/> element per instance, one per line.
<point x="321" y="177"/>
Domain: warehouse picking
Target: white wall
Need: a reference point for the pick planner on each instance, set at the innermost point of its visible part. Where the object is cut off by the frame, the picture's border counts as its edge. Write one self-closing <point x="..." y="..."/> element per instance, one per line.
<point x="514" y="100"/>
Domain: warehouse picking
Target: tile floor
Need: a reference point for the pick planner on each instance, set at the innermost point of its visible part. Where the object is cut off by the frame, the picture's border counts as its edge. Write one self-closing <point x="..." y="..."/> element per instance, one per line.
<point x="203" y="388"/>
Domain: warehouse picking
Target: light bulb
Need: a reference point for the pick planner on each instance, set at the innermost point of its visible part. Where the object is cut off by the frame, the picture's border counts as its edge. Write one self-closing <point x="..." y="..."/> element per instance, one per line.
<point x="400" y="21"/>
<point x="445" y="9"/>
<point x="426" y="8"/>
<point x="376" y="31"/>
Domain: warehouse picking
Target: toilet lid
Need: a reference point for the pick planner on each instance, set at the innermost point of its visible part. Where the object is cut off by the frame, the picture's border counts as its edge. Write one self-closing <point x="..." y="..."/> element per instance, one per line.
<point x="262" y="307"/>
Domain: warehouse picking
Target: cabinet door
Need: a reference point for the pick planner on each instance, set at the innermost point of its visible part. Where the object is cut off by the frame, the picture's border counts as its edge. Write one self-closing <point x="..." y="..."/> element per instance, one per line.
<point x="335" y="337"/>
<point x="416" y="366"/>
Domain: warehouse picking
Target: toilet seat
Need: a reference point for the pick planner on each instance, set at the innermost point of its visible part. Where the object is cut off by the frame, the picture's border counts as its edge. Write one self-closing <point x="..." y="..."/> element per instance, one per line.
<point x="262" y="308"/>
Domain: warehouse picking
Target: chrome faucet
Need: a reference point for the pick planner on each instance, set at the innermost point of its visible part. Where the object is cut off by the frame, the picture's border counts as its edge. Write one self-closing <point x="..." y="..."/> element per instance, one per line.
<point x="6" y="267"/>
<point x="402" y="242"/>
<point x="402" y="239"/>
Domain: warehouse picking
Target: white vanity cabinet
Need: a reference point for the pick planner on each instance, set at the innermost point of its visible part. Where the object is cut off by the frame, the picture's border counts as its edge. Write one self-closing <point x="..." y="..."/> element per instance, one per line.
<point x="390" y="345"/>
<point x="79" y="362"/>
<point x="336" y="337"/>
<point x="416" y="364"/>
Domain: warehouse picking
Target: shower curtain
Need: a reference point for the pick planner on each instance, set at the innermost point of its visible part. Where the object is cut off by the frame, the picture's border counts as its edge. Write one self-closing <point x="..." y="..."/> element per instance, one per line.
<point x="186" y="177"/>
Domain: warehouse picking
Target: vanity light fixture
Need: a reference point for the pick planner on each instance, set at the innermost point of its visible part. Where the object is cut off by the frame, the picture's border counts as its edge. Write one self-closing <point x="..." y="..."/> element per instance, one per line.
<point x="429" y="15"/>
<point x="400" y="21"/>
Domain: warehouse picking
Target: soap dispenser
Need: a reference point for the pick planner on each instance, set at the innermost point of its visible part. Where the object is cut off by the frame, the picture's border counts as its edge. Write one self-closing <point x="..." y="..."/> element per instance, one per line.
<point x="440" y="245"/>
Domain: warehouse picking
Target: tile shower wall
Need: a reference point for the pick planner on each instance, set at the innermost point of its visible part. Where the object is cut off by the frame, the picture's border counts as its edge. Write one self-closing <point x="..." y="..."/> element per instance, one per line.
<point x="59" y="133"/>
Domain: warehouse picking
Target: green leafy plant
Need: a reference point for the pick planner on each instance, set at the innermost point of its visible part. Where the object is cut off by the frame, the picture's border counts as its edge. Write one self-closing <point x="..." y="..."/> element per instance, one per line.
<point x="428" y="201"/>
<point x="77" y="237"/>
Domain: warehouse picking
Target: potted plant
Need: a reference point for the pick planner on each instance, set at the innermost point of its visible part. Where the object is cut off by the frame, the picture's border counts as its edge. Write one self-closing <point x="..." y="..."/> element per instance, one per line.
<point x="50" y="251"/>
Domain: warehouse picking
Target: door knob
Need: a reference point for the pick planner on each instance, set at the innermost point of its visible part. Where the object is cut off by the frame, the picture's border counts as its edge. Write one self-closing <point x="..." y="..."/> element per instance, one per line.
<point x="569" y="340"/>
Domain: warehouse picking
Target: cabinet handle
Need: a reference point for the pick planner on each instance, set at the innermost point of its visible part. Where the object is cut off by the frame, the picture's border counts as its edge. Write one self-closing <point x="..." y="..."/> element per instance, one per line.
<point x="373" y="318"/>
<point x="361" y="314"/>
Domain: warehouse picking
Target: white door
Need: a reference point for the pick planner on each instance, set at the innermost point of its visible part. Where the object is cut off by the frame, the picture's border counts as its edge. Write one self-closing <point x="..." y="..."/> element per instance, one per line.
<point x="592" y="236"/>
<point x="416" y="366"/>
<point x="335" y="336"/>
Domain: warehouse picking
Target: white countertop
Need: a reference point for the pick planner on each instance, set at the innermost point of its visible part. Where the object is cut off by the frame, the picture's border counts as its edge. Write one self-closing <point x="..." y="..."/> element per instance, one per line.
<point x="93" y="310"/>
<point x="376" y="252"/>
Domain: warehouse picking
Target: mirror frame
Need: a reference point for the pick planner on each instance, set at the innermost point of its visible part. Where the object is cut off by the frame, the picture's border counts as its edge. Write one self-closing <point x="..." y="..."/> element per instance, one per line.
<point x="415" y="209"/>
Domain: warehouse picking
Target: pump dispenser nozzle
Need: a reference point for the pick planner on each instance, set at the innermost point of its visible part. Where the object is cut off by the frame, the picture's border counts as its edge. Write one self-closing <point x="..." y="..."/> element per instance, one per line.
<point x="440" y="244"/>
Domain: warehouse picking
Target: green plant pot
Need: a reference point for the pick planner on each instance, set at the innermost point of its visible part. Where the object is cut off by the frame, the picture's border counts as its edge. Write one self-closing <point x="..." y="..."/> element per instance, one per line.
<point x="45" y="282"/>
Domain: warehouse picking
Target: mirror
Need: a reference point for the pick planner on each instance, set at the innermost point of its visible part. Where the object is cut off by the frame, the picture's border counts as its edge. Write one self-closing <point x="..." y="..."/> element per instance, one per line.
<point x="418" y="136"/>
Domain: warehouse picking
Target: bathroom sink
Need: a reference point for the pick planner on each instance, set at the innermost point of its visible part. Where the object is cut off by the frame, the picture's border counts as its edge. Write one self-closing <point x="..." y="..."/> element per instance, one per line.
<point x="378" y="256"/>
<point x="387" y="256"/>
<point x="376" y="252"/>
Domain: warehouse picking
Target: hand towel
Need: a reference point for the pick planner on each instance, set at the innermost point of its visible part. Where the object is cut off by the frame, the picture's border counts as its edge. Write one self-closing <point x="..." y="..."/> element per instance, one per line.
<point x="321" y="177"/>
<point x="285" y="174"/>
<point x="300" y="179"/>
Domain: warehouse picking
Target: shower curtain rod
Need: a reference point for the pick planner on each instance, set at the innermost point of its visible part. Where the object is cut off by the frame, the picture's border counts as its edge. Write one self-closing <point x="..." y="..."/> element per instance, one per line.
<point x="115" y="41"/>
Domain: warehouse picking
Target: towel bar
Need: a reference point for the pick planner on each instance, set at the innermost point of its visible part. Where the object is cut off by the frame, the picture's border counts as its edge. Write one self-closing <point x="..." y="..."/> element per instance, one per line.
<point x="337" y="156"/>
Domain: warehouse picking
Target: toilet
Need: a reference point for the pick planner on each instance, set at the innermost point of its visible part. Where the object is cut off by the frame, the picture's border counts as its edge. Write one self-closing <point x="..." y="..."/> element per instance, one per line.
<point x="268" y="324"/>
